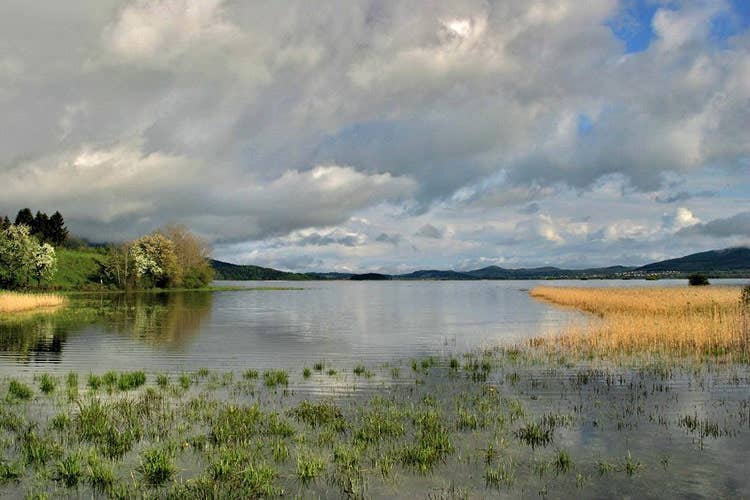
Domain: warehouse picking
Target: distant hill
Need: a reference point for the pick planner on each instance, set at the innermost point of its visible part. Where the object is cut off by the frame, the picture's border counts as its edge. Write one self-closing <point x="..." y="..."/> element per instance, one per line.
<point x="370" y="277"/>
<point x="713" y="261"/>
<point x="499" y="273"/>
<point x="730" y="262"/>
<point x="436" y="275"/>
<point x="234" y="272"/>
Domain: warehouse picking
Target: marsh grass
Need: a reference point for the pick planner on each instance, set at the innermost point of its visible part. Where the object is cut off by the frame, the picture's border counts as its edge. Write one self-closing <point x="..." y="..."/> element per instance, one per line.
<point x="157" y="465"/>
<point x="309" y="468"/>
<point x="47" y="383"/>
<point x="399" y="437"/>
<point x="688" y="321"/>
<point x="13" y="302"/>
<point x="19" y="391"/>
<point x="274" y="378"/>
<point x="70" y="469"/>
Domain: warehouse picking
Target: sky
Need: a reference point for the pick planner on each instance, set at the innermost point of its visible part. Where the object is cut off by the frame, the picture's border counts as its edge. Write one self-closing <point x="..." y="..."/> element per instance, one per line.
<point x="373" y="135"/>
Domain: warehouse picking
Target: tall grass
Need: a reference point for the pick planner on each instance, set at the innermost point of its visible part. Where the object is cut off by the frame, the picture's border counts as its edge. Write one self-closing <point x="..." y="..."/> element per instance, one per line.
<point x="11" y="302"/>
<point x="705" y="321"/>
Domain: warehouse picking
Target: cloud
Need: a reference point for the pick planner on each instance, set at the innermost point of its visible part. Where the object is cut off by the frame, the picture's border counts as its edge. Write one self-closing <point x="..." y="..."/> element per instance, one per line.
<point x="429" y="231"/>
<point x="130" y="190"/>
<point x="726" y="227"/>
<point x="165" y="28"/>
<point x="259" y="121"/>
<point x="393" y="239"/>
<point x="680" y="219"/>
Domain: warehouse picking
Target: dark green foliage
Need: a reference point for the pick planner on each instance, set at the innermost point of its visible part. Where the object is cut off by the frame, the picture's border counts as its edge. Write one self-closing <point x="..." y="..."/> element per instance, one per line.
<point x="227" y="271"/>
<point x="24" y="217"/>
<point x="698" y="279"/>
<point x="47" y="229"/>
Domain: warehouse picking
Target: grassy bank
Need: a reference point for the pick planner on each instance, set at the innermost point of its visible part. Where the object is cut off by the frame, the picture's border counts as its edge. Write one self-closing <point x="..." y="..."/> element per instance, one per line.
<point x="77" y="269"/>
<point x="694" y="321"/>
<point x="11" y="302"/>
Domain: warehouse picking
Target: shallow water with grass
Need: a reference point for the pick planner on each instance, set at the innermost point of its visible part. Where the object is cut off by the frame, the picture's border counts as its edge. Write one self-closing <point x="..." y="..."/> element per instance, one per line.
<point x="402" y="390"/>
<point x="499" y="423"/>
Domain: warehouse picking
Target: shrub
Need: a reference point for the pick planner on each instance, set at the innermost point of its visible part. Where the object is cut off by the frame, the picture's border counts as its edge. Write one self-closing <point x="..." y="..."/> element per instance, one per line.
<point x="697" y="279"/>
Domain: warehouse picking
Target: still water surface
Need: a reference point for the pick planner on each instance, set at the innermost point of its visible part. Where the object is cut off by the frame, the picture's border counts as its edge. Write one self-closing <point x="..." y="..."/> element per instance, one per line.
<point x="337" y="321"/>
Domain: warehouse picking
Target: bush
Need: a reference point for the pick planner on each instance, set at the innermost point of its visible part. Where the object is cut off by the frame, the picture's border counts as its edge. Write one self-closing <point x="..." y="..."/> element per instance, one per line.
<point x="697" y="280"/>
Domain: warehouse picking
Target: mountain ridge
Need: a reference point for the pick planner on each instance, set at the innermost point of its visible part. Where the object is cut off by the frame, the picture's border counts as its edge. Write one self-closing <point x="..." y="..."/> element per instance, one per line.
<point x="727" y="262"/>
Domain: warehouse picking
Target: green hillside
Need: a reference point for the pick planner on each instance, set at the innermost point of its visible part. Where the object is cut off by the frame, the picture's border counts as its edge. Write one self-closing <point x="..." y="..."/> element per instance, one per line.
<point x="77" y="268"/>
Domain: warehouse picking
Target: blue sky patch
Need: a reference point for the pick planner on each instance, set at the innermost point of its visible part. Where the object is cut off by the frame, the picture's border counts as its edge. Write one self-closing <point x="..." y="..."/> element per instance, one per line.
<point x="632" y="24"/>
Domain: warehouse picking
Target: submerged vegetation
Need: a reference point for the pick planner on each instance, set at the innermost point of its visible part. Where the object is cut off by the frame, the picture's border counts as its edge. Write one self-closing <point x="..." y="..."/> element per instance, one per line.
<point x="439" y="428"/>
<point x="695" y="321"/>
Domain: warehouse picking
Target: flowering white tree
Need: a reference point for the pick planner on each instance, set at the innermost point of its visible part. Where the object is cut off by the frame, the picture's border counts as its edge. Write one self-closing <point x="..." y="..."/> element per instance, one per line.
<point x="154" y="261"/>
<point x="23" y="258"/>
<point x="44" y="263"/>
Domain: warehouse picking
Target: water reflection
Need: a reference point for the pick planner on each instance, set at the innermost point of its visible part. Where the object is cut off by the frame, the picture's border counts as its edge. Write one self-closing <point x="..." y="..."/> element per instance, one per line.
<point x="164" y="320"/>
<point x="159" y="319"/>
<point x="344" y="323"/>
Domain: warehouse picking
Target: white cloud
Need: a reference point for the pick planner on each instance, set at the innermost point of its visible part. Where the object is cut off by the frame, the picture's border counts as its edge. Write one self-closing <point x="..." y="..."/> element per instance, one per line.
<point x="149" y="28"/>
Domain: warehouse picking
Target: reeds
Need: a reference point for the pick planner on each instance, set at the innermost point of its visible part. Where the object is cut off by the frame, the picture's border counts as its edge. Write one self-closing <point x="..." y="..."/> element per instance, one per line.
<point x="13" y="302"/>
<point x="706" y="321"/>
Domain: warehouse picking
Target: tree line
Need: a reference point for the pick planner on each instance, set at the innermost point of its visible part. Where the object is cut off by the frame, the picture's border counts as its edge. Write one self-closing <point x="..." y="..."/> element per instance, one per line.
<point x="170" y="257"/>
<point x="46" y="229"/>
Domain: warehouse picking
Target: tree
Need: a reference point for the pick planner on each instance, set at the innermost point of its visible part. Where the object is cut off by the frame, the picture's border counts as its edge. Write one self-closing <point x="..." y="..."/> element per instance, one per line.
<point x="697" y="279"/>
<point x="4" y="223"/>
<point x="192" y="254"/>
<point x="25" y="218"/>
<point x="57" y="233"/>
<point x="44" y="264"/>
<point x="154" y="261"/>
<point x="117" y="268"/>
<point x="40" y="226"/>
<point x="18" y="250"/>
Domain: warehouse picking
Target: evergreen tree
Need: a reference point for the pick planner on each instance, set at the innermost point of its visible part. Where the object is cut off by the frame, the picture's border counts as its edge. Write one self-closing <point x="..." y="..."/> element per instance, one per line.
<point x="25" y="217"/>
<point x="4" y="223"/>
<point x="57" y="233"/>
<point x="40" y="226"/>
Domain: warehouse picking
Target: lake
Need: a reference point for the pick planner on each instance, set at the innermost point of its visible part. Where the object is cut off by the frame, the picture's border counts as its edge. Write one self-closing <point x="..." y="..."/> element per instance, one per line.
<point x="340" y="322"/>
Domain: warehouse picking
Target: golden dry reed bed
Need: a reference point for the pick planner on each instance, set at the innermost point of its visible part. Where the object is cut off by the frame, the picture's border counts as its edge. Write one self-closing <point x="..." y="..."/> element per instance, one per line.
<point x="12" y="302"/>
<point x="688" y="321"/>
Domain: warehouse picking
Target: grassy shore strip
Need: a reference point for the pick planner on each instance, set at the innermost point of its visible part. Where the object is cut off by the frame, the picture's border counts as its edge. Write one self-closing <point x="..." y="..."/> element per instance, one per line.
<point x="461" y="427"/>
<point x="695" y="321"/>
<point x="13" y="302"/>
<point x="218" y="288"/>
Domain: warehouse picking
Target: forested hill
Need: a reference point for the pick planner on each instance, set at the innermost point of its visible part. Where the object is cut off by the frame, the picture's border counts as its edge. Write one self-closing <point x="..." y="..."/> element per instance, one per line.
<point x="730" y="262"/>
<point x="727" y="260"/>
<point x="234" y="272"/>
